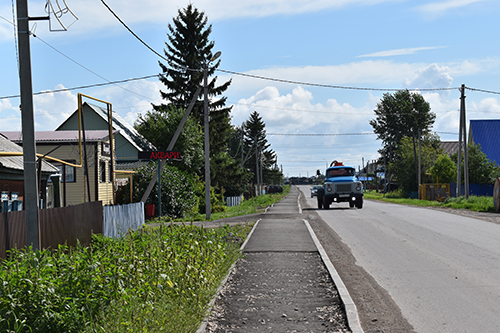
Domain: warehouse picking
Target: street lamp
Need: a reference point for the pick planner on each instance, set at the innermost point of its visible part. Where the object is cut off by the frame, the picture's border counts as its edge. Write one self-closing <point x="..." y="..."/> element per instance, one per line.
<point x="207" y="139"/>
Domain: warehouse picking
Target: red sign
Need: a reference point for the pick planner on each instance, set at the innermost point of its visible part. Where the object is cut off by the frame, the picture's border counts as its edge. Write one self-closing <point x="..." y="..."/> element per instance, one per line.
<point x="159" y="155"/>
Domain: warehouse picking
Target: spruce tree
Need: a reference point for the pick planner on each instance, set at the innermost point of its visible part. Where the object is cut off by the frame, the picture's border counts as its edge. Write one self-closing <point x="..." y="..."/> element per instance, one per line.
<point x="255" y="136"/>
<point x="188" y="51"/>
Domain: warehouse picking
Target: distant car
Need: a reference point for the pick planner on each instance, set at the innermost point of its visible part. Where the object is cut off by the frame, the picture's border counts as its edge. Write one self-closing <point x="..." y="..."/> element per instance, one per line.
<point x="314" y="190"/>
<point x="274" y="189"/>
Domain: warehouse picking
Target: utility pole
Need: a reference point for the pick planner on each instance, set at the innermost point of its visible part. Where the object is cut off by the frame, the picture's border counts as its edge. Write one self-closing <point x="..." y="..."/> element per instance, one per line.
<point x="207" y="144"/>
<point x="464" y="132"/>
<point x="28" y="126"/>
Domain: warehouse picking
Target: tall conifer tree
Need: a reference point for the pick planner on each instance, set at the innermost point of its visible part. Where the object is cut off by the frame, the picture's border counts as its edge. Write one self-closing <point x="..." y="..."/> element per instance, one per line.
<point x="188" y="50"/>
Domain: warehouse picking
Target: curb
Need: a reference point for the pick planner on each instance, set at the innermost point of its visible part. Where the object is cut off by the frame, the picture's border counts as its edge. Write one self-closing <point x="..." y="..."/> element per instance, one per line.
<point x="350" y="308"/>
<point x="203" y="325"/>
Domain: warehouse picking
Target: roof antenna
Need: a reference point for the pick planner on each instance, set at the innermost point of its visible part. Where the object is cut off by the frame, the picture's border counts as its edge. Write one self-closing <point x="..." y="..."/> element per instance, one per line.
<point x="56" y="9"/>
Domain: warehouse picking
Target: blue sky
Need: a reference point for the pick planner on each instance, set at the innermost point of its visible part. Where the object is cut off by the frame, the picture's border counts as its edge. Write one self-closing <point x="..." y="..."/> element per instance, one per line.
<point x="375" y="44"/>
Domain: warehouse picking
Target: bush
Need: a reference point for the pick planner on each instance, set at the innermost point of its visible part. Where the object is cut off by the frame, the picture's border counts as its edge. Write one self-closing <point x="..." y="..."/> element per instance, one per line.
<point x="177" y="190"/>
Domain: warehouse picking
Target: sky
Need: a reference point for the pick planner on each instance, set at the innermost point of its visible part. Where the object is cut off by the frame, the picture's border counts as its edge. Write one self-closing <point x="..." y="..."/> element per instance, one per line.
<point x="323" y="65"/>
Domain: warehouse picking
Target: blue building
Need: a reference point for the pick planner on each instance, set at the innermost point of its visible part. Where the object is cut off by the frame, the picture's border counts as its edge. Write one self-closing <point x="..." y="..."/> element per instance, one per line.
<point x="486" y="132"/>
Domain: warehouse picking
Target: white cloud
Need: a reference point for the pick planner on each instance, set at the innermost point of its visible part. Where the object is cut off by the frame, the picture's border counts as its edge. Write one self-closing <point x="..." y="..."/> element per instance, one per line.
<point x="438" y="8"/>
<point x="51" y="109"/>
<point x="398" y="52"/>
<point x="431" y="76"/>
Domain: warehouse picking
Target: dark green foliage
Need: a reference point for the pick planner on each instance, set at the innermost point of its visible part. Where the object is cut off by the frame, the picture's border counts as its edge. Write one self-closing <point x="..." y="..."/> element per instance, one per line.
<point x="160" y="126"/>
<point x="481" y="169"/>
<point x="255" y="140"/>
<point x="177" y="194"/>
<point x="404" y="166"/>
<point x="399" y="115"/>
<point x="157" y="280"/>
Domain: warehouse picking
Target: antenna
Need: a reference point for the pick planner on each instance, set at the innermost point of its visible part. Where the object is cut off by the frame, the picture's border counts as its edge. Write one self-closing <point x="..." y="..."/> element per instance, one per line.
<point x="56" y="9"/>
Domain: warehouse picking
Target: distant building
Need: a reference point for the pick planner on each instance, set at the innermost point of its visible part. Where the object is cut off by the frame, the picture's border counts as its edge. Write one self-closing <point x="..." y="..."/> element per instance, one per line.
<point x="128" y="142"/>
<point x="449" y="147"/>
<point x="486" y="132"/>
<point x="12" y="172"/>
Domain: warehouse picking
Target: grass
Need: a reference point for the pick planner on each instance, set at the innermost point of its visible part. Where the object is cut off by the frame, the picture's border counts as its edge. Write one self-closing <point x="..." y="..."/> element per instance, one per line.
<point x="255" y="205"/>
<point x="474" y="203"/>
<point x="154" y="280"/>
<point x="158" y="279"/>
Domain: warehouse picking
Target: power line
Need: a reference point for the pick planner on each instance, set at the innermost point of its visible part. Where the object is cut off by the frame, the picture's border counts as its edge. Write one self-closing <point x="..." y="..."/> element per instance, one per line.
<point x="482" y="90"/>
<point x="329" y="85"/>
<point x="322" y="134"/>
<point x="87" y="86"/>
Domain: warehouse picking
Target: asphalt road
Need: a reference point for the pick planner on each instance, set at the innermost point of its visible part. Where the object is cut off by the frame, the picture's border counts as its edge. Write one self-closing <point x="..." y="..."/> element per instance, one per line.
<point x="442" y="270"/>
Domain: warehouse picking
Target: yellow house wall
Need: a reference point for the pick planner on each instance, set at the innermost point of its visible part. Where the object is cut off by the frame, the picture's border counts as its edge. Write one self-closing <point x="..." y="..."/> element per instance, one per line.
<point x="75" y="191"/>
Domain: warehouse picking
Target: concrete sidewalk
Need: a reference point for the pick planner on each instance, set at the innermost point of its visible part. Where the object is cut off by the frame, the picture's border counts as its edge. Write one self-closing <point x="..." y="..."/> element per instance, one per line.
<point x="281" y="284"/>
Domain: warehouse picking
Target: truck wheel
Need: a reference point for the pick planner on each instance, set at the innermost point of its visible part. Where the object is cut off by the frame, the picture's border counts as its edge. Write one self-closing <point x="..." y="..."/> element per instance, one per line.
<point x="326" y="204"/>
<point x="359" y="203"/>
<point x="351" y="204"/>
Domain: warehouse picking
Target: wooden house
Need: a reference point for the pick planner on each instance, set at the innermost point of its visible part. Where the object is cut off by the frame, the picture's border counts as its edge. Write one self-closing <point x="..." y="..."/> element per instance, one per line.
<point x="79" y="183"/>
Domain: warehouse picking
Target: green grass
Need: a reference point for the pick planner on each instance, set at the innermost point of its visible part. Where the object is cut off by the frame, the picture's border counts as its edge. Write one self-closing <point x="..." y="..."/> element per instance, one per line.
<point x="158" y="279"/>
<point x="251" y="206"/>
<point x="155" y="280"/>
<point x="474" y="203"/>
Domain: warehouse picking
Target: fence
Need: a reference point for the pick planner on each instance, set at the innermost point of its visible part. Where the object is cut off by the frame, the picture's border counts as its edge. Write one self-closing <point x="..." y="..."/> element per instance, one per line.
<point x="65" y="225"/>
<point x="474" y="189"/>
<point x="68" y="225"/>
<point x="119" y="219"/>
<point x="233" y="201"/>
<point x="434" y="192"/>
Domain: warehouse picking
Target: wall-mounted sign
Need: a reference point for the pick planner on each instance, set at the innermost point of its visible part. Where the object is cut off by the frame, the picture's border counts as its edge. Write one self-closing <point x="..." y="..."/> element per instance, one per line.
<point x="159" y="155"/>
<point x="106" y="149"/>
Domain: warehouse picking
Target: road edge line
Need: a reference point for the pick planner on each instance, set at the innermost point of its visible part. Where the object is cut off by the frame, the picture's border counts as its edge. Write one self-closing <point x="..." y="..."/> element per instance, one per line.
<point x="350" y="308"/>
<point x="203" y="326"/>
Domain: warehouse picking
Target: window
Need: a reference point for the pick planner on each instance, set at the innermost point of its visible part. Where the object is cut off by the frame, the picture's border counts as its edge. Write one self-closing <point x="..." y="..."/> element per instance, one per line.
<point x="102" y="171"/>
<point x="70" y="172"/>
<point x="110" y="171"/>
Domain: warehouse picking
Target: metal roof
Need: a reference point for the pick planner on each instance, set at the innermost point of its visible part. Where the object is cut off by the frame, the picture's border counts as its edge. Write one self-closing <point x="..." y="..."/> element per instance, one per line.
<point x="17" y="162"/>
<point x="57" y="136"/>
<point x="449" y="147"/>
<point x="486" y="132"/>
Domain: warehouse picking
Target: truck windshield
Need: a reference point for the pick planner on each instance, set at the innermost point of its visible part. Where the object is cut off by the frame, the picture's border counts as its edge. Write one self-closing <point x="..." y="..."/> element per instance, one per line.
<point x="341" y="172"/>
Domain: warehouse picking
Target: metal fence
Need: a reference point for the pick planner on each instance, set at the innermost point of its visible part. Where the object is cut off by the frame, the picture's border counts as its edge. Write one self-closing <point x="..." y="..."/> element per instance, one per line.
<point x="118" y="220"/>
<point x="233" y="201"/>
<point x="69" y="225"/>
<point x="65" y="225"/>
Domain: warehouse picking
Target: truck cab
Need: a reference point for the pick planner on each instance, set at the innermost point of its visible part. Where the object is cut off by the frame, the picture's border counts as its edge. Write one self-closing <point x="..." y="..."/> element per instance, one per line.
<point x="341" y="185"/>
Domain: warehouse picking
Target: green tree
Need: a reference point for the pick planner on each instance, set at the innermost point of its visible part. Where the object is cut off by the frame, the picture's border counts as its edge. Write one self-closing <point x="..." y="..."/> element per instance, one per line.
<point x="444" y="169"/>
<point x="188" y="51"/>
<point x="403" y="167"/>
<point x="159" y="128"/>
<point x="177" y="190"/>
<point x="481" y="169"/>
<point x="399" y="115"/>
<point x="255" y="145"/>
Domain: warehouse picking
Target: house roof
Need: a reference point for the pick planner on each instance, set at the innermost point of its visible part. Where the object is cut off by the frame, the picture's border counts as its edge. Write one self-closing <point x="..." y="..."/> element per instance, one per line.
<point x="486" y="132"/>
<point x="17" y="162"/>
<point x="120" y="124"/>
<point x="57" y="136"/>
<point x="449" y="147"/>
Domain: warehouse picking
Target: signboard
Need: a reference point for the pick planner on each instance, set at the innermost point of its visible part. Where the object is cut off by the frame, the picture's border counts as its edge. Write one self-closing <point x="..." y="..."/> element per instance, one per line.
<point x="106" y="149"/>
<point x="159" y="155"/>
